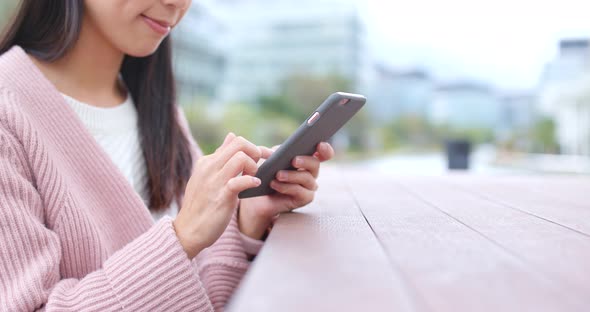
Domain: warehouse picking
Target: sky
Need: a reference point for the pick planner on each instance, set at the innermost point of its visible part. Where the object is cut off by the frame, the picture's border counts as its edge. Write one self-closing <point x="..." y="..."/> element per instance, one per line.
<point x="501" y="42"/>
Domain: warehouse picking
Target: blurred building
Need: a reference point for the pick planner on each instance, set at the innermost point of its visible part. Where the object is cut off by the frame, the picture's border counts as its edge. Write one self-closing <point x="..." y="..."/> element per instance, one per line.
<point x="564" y="95"/>
<point x="274" y="39"/>
<point x="400" y="93"/>
<point x="570" y="65"/>
<point x="518" y="115"/>
<point x="199" y="54"/>
<point x="466" y="105"/>
<point x="519" y="110"/>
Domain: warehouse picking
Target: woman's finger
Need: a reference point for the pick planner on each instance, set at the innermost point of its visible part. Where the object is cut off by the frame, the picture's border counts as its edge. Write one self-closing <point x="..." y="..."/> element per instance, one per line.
<point x="325" y="151"/>
<point x="301" y="195"/>
<point x="265" y="152"/>
<point x="236" y="185"/>
<point x="228" y="138"/>
<point x="236" y="145"/>
<point x="303" y="178"/>
<point x="239" y="163"/>
<point x="308" y="163"/>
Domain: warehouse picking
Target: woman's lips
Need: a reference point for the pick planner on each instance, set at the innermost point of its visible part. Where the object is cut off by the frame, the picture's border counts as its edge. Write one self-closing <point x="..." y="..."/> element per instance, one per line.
<point x="159" y="27"/>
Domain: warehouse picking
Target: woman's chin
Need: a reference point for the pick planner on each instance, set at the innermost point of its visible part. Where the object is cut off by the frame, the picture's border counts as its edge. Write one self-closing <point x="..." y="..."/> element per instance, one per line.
<point x="143" y="50"/>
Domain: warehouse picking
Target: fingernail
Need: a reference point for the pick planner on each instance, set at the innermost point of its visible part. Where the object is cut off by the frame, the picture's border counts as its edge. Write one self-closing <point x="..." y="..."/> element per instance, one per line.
<point x="298" y="161"/>
<point x="256" y="180"/>
<point x="282" y="175"/>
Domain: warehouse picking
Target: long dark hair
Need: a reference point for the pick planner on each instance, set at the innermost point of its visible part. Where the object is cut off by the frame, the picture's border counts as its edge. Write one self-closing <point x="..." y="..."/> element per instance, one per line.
<point x="48" y="29"/>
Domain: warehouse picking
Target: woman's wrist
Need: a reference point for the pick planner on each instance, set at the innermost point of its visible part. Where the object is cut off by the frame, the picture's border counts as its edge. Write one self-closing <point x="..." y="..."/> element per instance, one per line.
<point x="190" y="247"/>
<point x="251" y="225"/>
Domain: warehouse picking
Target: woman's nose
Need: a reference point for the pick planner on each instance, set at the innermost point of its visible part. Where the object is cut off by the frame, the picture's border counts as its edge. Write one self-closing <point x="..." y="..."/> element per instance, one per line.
<point x="180" y="4"/>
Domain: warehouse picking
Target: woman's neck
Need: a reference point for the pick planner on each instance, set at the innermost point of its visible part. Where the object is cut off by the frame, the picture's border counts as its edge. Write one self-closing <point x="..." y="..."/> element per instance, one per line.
<point x="89" y="70"/>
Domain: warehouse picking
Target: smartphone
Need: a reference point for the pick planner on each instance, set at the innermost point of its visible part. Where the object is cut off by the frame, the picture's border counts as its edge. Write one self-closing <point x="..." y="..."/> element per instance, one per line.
<point x="321" y="125"/>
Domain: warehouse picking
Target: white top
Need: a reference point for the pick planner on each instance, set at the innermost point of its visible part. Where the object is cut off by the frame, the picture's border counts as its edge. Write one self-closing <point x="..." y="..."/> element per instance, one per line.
<point x="116" y="130"/>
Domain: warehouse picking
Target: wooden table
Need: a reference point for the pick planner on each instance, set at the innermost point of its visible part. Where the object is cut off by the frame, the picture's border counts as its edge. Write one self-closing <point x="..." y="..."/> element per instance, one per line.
<point x="459" y="242"/>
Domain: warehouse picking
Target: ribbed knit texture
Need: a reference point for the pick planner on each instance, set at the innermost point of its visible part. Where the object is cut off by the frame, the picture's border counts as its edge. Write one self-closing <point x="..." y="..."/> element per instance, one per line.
<point x="116" y="130"/>
<point x="74" y="235"/>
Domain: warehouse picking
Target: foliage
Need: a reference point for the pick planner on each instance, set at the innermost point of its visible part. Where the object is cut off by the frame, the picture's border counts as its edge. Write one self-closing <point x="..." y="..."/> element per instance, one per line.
<point x="358" y="131"/>
<point x="474" y="135"/>
<point x="6" y="9"/>
<point x="208" y="133"/>
<point x="415" y="130"/>
<point x="259" y="128"/>
<point x="542" y="135"/>
<point x="419" y="133"/>
<point x="299" y="96"/>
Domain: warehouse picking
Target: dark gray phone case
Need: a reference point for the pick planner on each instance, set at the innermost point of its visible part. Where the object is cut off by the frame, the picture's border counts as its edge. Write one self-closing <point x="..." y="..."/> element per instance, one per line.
<point x="336" y="110"/>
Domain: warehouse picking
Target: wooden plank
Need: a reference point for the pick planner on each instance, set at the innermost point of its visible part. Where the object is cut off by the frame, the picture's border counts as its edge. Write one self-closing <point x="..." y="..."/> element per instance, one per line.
<point x="545" y="202"/>
<point x="570" y="190"/>
<point x="323" y="258"/>
<point x="560" y="254"/>
<point x="451" y="266"/>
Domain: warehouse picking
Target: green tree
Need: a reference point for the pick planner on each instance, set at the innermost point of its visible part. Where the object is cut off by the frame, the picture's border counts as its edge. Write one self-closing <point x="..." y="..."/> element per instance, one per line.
<point x="260" y="127"/>
<point x="418" y="132"/>
<point x="358" y="131"/>
<point x="409" y="130"/>
<point x="6" y="9"/>
<point x="278" y="104"/>
<point x="208" y="133"/>
<point x="543" y="136"/>
<point x="473" y="135"/>
<point x="299" y="94"/>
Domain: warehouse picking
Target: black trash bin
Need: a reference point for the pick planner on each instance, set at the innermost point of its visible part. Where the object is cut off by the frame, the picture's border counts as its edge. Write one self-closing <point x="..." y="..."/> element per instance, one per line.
<point x="458" y="154"/>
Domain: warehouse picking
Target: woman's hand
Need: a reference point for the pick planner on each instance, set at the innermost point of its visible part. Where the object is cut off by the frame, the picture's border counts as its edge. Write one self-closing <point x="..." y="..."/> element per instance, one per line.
<point x="294" y="189"/>
<point x="211" y="194"/>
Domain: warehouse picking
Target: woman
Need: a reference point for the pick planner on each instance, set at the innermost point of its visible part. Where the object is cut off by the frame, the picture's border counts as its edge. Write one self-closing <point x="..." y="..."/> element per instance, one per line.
<point x="92" y="143"/>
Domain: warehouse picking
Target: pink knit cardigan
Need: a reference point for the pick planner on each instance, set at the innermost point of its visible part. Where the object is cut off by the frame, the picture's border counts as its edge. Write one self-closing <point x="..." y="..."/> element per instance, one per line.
<point x="74" y="235"/>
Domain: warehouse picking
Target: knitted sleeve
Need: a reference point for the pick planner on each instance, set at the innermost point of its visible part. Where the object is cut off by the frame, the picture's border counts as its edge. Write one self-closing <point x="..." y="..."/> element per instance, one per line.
<point x="150" y="273"/>
<point x="222" y="266"/>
